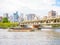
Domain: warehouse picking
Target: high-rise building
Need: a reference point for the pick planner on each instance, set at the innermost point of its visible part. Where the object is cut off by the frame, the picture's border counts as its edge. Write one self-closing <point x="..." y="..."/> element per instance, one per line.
<point x="30" y="16"/>
<point x="11" y="19"/>
<point x="51" y="14"/>
<point x="21" y="17"/>
<point x="44" y="17"/>
<point x="5" y="15"/>
<point x="16" y="16"/>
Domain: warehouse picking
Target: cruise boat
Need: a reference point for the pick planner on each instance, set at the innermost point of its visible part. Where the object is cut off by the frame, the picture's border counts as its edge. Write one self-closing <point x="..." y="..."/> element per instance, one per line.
<point x="20" y="29"/>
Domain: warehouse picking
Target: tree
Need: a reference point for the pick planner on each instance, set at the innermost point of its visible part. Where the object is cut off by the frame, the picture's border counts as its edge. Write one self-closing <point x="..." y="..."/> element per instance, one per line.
<point x="5" y="20"/>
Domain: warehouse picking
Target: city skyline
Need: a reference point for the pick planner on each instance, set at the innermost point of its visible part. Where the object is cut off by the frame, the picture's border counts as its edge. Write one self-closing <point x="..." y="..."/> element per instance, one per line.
<point x="19" y="18"/>
<point x="39" y="7"/>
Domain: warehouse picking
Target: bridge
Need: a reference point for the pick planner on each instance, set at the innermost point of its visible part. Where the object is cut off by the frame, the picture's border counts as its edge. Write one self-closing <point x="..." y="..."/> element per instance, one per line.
<point x="43" y="21"/>
<point x="48" y="21"/>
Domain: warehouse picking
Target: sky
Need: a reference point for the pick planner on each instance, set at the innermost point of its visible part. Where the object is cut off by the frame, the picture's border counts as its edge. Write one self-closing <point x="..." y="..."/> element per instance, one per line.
<point x="39" y="7"/>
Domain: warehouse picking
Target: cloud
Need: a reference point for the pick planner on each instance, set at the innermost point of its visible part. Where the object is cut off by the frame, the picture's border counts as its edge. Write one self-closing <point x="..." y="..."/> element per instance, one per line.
<point x="36" y="6"/>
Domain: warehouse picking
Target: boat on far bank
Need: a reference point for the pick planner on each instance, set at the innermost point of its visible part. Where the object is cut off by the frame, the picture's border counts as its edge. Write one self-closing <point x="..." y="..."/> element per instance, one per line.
<point x="47" y="28"/>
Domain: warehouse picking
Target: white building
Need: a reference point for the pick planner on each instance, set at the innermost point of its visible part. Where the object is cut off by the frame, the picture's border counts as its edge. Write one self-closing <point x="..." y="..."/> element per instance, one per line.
<point x="21" y="17"/>
<point x="11" y="19"/>
<point x="31" y="17"/>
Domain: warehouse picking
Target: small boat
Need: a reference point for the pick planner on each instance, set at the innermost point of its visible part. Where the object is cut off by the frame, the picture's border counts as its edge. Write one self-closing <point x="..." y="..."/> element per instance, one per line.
<point x="47" y="28"/>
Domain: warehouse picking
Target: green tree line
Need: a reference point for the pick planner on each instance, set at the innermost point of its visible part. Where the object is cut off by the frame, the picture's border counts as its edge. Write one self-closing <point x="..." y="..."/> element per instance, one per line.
<point x="5" y="23"/>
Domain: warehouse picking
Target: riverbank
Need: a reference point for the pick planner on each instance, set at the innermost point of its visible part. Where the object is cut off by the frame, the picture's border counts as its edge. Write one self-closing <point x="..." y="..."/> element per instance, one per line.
<point x="8" y="25"/>
<point x="55" y="25"/>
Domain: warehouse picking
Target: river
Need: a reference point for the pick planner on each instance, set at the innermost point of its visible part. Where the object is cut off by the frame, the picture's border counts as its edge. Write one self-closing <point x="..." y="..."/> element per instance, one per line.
<point x="30" y="38"/>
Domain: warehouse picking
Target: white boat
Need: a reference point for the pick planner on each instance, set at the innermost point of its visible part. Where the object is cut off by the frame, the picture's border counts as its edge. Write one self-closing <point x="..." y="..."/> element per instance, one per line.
<point x="47" y="28"/>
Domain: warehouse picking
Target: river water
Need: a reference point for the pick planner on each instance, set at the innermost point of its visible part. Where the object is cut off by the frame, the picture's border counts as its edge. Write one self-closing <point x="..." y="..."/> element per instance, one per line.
<point x="30" y="38"/>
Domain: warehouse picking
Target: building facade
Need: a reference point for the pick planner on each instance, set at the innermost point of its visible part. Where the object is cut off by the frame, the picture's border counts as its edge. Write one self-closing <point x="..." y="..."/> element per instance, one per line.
<point x="30" y="16"/>
<point x="44" y="17"/>
<point x="1" y="18"/>
<point x="5" y="15"/>
<point x="16" y="16"/>
<point x="51" y="14"/>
